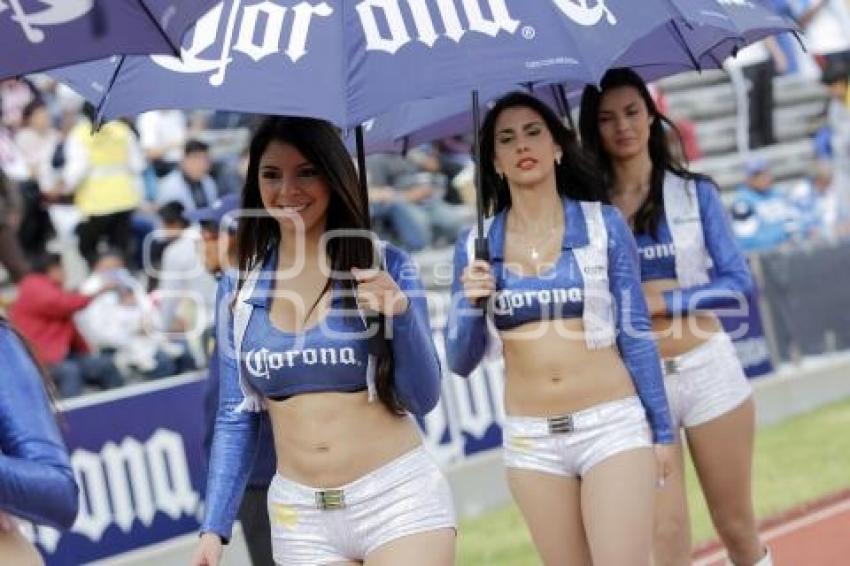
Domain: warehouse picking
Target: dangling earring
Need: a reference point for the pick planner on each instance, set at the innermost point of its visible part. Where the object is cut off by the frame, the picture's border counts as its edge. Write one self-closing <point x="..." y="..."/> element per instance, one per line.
<point x="558" y="157"/>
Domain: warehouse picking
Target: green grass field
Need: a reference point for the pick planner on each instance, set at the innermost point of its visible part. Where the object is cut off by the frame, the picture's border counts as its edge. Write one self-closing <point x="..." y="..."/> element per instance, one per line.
<point x="797" y="461"/>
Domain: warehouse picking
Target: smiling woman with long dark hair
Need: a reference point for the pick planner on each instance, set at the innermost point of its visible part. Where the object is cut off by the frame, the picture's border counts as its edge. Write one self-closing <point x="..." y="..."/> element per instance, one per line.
<point x="690" y="265"/>
<point x="353" y="480"/>
<point x="587" y="420"/>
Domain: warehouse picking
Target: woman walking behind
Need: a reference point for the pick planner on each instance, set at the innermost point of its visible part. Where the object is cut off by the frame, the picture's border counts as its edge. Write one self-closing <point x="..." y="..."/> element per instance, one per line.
<point x="690" y="265"/>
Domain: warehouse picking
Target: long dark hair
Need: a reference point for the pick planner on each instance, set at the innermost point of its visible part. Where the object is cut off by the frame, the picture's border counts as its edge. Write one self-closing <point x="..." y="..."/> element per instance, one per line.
<point x="348" y="209"/>
<point x="649" y="214"/>
<point x="576" y="177"/>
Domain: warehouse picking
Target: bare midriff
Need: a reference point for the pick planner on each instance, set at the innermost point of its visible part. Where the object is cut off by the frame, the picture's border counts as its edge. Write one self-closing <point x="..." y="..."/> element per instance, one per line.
<point x="550" y="370"/>
<point x="679" y="334"/>
<point x="329" y="439"/>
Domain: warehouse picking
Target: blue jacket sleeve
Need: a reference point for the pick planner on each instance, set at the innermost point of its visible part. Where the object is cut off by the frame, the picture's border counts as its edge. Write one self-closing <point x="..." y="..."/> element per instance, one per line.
<point x="730" y="277"/>
<point x="634" y="331"/>
<point x="36" y="480"/>
<point x="417" y="366"/>
<point x="234" y="444"/>
<point x="466" y="328"/>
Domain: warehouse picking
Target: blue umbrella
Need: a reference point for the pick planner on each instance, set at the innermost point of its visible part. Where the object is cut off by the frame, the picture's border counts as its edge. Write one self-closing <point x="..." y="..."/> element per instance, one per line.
<point x="36" y="35"/>
<point x="701" y="34"/>
<point x="712" y="30"/>
<point x="348" y="60"/>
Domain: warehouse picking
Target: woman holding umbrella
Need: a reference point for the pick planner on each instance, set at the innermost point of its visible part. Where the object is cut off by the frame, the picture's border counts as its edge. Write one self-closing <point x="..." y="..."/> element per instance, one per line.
<point x="563" y="297"/>
<point x="690" y="265"/>
<point x="353" y="480"/>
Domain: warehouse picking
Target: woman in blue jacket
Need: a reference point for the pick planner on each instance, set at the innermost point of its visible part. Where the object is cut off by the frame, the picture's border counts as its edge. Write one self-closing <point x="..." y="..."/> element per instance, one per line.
<point x="690" y="265"/>
<point x="353" y="480"/>
<point x="36" y="481"/>
<point x="560" y="297"/>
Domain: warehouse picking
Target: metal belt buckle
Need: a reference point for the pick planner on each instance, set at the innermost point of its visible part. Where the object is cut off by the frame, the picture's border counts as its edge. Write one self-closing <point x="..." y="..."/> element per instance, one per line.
<point x="671" y="366"/>
<point x="560" y="425"/>
<point x="329" y="499"/>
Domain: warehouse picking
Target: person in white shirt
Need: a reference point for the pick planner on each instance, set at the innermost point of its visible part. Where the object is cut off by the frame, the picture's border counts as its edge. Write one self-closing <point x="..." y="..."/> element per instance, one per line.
<point x="186" y="290"/>
<point x="825" y="215"/>
<point x="162" y="134"/>
<point x="756" y="64"/>
<point x="38" y="141"/>
<point x="826" y="24"/>
<point x="124" y="323"/>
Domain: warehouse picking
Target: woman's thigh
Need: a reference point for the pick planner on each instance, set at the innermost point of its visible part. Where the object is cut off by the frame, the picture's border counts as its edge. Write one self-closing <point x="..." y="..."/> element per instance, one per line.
<point x="617" y="501"/>
<point x="551" y="506"/>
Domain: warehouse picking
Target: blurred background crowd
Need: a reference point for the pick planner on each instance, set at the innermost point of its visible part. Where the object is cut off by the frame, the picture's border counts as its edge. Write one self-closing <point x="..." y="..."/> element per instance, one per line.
<point x="101" y="262"/>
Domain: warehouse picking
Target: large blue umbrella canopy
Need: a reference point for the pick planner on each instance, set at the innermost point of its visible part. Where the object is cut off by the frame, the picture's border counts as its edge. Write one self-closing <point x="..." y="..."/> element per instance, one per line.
<point x="712" y="30"/>
<point x="700" y="34"/>
<point x="36" y="35"/>
<point x="349" y="60"/>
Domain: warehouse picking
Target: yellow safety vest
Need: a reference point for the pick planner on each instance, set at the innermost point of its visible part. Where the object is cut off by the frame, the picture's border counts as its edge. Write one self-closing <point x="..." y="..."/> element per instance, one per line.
<point x="110" y="185"/>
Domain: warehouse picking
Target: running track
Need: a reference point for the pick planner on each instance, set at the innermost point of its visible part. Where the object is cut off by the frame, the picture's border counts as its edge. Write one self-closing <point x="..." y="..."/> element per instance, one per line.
<point x="813" y="535"/>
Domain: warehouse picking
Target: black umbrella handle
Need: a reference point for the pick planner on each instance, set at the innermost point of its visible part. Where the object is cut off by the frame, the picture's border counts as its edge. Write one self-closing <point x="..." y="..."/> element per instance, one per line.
<point x="482" y="250"/>
<point x="377" y="344"/>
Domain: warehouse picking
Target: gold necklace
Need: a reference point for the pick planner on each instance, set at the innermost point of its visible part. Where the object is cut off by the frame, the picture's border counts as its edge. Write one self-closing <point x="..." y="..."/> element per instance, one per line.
<point x="534" y="247"/>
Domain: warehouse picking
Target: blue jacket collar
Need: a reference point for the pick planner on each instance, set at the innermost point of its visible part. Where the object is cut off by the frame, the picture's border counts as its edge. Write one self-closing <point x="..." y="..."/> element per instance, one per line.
<point x="262" y="292"/>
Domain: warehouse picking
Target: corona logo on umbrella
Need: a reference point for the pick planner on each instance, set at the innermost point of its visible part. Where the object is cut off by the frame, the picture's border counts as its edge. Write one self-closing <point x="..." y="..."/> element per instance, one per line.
<point x="582" y="14"/>
<point x="266" y="28"/>
<point x="52" y="12"/>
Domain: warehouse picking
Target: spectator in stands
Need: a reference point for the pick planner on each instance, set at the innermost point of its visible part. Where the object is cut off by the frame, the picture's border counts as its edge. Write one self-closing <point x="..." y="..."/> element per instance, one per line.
<point x="787" y="43"/>
<point x="190" y="184"/>
<point x="826" y="24"/>
<point x="15" y="94"/>
<point x="822" y="140"/>
<point x="230" y="177"/>
<point x="163" y="135"/>
<point x="834" y="137"/>
<point x="823" y="215"/>
<point x="43" y="312"/>
<point x="412" y="201"/>
<point x="13" y="163"/>
<point x="38" y="141"/>
<point x="187" y="292"/>
<point x="102" y="170"/>
<point x="124" y="324"/>
<point x="218" y="234"/>
<point x="756" y="64"/>
<point x="11" y="256"/>
<point x="763" y="218"/>
<point x="454" y="155"/>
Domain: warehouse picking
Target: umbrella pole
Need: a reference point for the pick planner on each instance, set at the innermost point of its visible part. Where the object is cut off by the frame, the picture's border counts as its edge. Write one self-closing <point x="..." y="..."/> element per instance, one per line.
<point x="565" y="104"/>
<point x="361" y="168"/>
<point x="481" y="250"/>
<point x="377" y="344"/>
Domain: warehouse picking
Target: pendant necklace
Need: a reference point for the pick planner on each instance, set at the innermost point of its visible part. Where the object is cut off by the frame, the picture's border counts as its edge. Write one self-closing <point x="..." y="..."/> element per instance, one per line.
<point x="532" y="247"/>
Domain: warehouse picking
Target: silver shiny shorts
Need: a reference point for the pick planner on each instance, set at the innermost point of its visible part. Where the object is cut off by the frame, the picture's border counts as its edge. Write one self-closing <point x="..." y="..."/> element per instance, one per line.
<point x="570" y="445"/>
<point x="312" y="526"/>
<point x="705" y="383"/>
